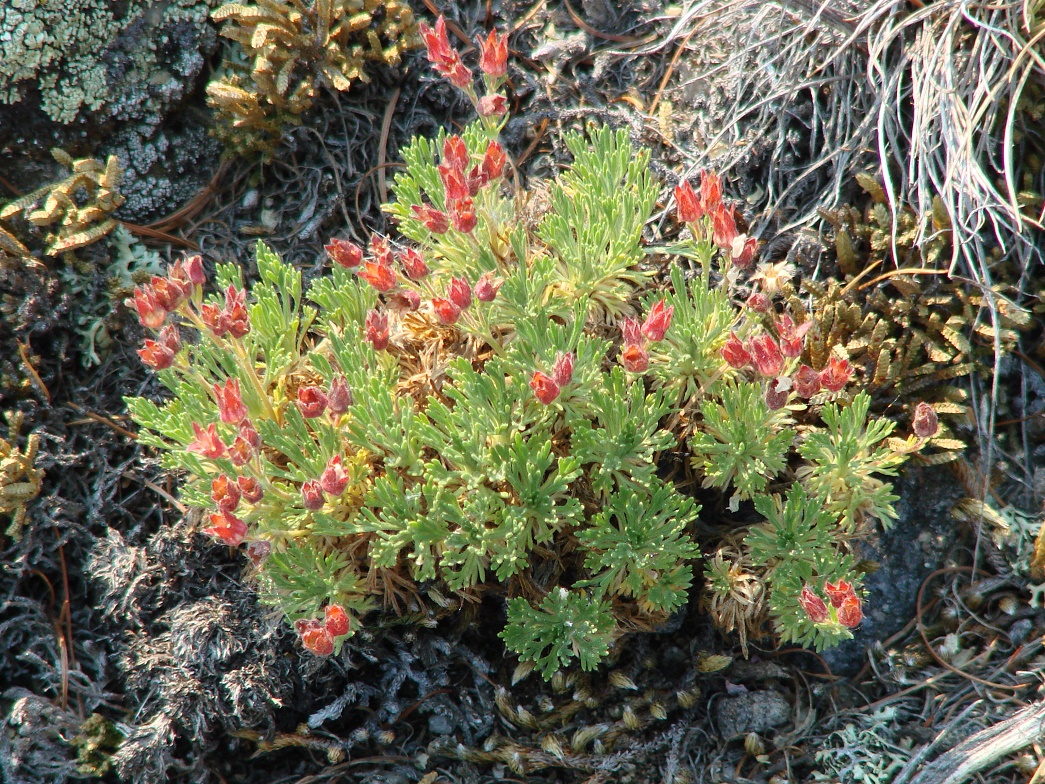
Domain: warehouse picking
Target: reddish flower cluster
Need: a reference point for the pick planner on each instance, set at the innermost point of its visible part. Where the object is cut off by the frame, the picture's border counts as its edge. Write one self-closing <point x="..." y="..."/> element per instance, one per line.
<point x="493" y="62"/>
<point x="318" y="635"/>
<point x="634" y="355"/>
<point x="845" y="605"/>
<point x="157" y="300"/>
<point x="444" y="58"/>
<point x="232" y="320"/>
<point x="546" y="387"/>
<point x="693" y="207"/>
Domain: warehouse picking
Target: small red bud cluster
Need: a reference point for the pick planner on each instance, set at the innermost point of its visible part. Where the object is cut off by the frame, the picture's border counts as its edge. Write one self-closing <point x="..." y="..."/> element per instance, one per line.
<point x="158" y="299"/>
<point x="318" y="635"/>
<point x="493" y="62"/>
<point x="693" y="207"/>
<point x="634" y="355"/>
<point x="547" y="387"/>
<point x="845" y="606"/>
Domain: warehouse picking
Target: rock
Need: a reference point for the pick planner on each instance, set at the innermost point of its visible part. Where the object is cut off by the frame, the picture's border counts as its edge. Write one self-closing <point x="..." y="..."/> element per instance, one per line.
<point x="753" y="711"/>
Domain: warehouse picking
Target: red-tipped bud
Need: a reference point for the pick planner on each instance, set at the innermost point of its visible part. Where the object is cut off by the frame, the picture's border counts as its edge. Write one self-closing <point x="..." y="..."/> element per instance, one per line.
<point x="315" y="637"/>
<point x="485" y="289"/>
<point x="689" y="210"/>
<point x="240" y="452"/>
<point x="759" y="302"/>
<point x="458" y="75"/>
<point x="414" y="264"/>
<point x="459" y="293"/>
<point x="635" y="359"/>
<point x="150" y="313"/>
<point x="436" y="42"/>
<point x="446" y="312"/>
<point x="250" y="488"/>
<point x="335" y="619"/>
<point x="225" y="493"/>
<point x="435" y="221"/>
<point x="492" y="106"/>
<point x="806" y="381"/>
<point x="791" y="337"/>
<point x="493" y="163"/>
<point x="227" y="527"/>
<point x="230" y="403"/>
<point x="216" y="320"/>
<point x="835" y="376"/>
<point x="838" y="593"/>
<point x="544" y="387"/>
<point x="766" y="355"/>
<point x="312" y="401"/>
<point x="742" y="251"/>
<point x="724" y="227"/>
<point x="926" y="423"/>
<point x="710" y="190"/>
<point x="381" y="250"/>
<point x="339" y="397"/>
<point x="562" y="370"/>
<point x="189" y="270"/>
<point x="345" y="253"/>
<point x="493" y="55"/>
<point x="250" y="435"/>
<point x="631" y="332"/>
<point x="658" y="321"/>
<point x="334" y="480"/>
<point x="813" y="605"/>
<point x="777" y="392"/>
<point x="377" y="329"/>
<point x="236" y="311"/>
<point x="170" y="337"/>
<point x="312" y="495"/>
<point x="850" y="613"/>
<point x="735" y="353"/>
<point x="156" y="355"/>
<point x="462" y="215"/>
<point x="381" y="276"/>
<point x="455" y="183"/>
<point x="169" y="293"/>
<point x="207" y="442"/>
<point x="404" y="300"/>
<point x="455" y="153"/>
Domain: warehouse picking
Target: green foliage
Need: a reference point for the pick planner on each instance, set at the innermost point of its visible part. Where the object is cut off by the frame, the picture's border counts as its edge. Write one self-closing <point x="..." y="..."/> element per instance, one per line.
<point x="568" y="625"/>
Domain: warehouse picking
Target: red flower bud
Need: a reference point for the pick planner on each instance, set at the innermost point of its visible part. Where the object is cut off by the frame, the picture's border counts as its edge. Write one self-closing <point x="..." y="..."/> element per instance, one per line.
<point x="657" y="321"/>
<point x="404" y="299"/>
<point x="742" y="251"/>
<point x="759" y="302"/>
<point x="850" y="613"/>
<point x="791" y="337"/>
<point x="334" y="480"/>
<point x="724" y="227"/>
<point x="339" y="397"/>
<point x="455" y="153"/>
<point x="806" y="381"/>
<point x="562" y="370"/>
<point x="493" y="162"/>
<point x="486" y="287"/>
<point x="377" y="329"/>
<point x="381" y="249"/>
<point x="435" y="221"/>
<point x="225" y="493"/>
<point x="230" y="404"/>
<point x="462" y="215"/>
<point x="189" y="271"/>
<point x="345" y="253"/>
<point x="635" y="359"/>
<point x="227" y="527"/>
<point x="316" y="638"/>
<point x="710" y="191"/>
<point x="926" y="423"/>
<point x="240" y="452"/>
<point x="455" y="183"/>
<point x="250" y="488"/>
<point x="766" y="356"/>
<point x="258" y="551"/>
<point x="156" y="355"/>
<point x="493" y="55"/>
<point x="150" y="313"/>
<point x="207" y="442"/>
<point x="544" y="387"/>
<point x="169" y="293"/>
<point x="688" y="207"/>
<point x="838" y="593"/>
<point x="312" y="401"/>
<point x="437" y="43"/>
<point x="835" y="376"/>
<point x="777" y="392"/>
<point x="312" y="495"/>
<point x="236" y="311"/>
<point x="216" y="320"/>
<point x="735" y="353"/>
<point x="250" y="435"/>
<point x="414" y="264"/>
<point x="813" y="605"/>
<point x="492" y="106"/>
<point x="170" y="338"/>
<point x="336" y="620"/>
<point x="459" y="293"/>
<point x="381" y="276"/>
<point x="458" y="75"/>
<point x="446" y="312"/>
<point x="631" y="332"/>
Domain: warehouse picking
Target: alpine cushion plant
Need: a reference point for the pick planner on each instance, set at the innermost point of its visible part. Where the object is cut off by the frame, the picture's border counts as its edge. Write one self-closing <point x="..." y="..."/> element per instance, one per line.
<point x="479" y="405"/>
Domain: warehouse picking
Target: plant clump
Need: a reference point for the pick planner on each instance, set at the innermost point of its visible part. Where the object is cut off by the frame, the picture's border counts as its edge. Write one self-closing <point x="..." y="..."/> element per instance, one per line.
<point x="479" y="407"/>
<point x="79" y="207"/>
<point x="20" y="479"/>
<point x="288" y="50"/>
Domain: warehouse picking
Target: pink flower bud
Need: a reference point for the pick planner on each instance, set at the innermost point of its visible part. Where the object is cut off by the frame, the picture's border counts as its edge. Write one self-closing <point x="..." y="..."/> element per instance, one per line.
<point x="657" y="321"/>
<point x="312" y="495"/>
<point x="462" y="215"/>
<point x="347" y="254"/>
<point x="759" y="302"/>
<point x="688" y="207"/>
<point x="777" y="392"/>
<point x="191" y="270"/>
<point x="806" y="381"/>
<point x="485" y="289"/>
<point x="459" y="76"/>
<point x="455" y="153"/>
<point x="404" y="300"/>
<point x="446" y="312"/>
<point x="312" y="401"/>
<point x="339" y="397"/>
<point x="414" y="264"/>
<point x="813" y="605"/>
<point x="493" y="55"/>
<point x="710" y="191"/>
<point x="315" y="637"/>
<point x="236" y="311"/>
<point x="437" y="43"/>
<point x="240" y="452"/>
<point x="631" y="332"/>
<point x="455" y="184"/>
<point x="230" y="403"/>
<point x="791" y="337"/>
<point x="207" y="442"/>
<point x="334" y="480"/>
<point x="766" y="356"/>
<point x="562" y="370"/>
<point x="169" y="293"/>
<point x="838" y="593"/>
<point x="156" y="355"/>
<point x="742" y="251"/>
<point x="381" y="250"/>
<point x="724" y="227"/>
<point x="459" y="293"/>
<point x="215" y="319"/>
<point x="544" y="387"/>
<point x="377" y="329"/>
<point x="493" y="163"/>
<point x="250" y="435"/>
<point x="225" y="493"/>
<point x="227" y="527"/>
<point x="835" y="376"/>
<point x="635" y="359"/>
<point x="850" y="613"/>
<point x="150" y="313"/>
<point x="926" y="423"/>
<point x="250" y="488"/>
<point x="435" y="221"/>
<point x="381" y="276"/>
<point x="492" y="106"/>
<point x="735" y="353"/>
<point x="336" y="620"/>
